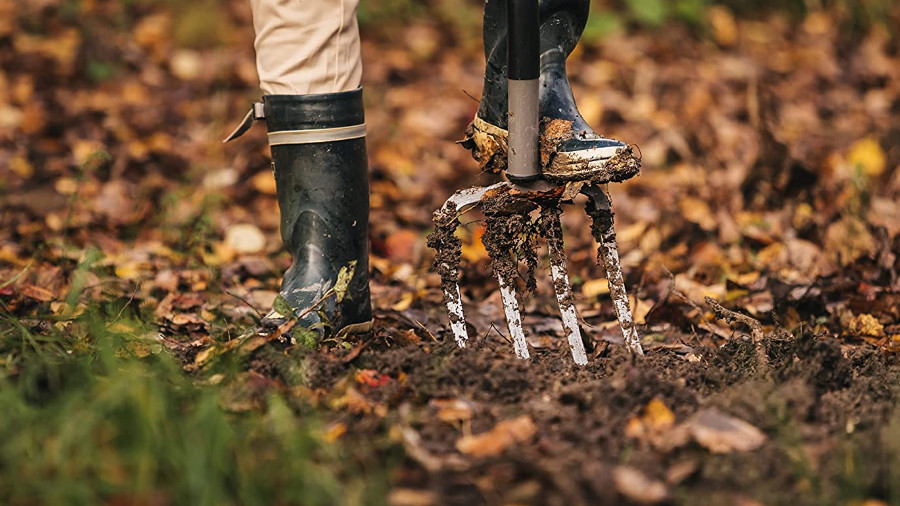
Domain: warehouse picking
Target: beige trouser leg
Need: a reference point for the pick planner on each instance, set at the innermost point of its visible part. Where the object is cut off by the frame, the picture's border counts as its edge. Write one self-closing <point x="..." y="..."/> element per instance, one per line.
<point x="306" y="46"/>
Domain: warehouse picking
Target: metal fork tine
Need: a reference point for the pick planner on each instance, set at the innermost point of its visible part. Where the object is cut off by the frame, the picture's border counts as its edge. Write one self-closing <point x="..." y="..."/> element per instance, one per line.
<point x="513" y="316"/>
<point x="457" y="318"/>
<point x="561" y="285"/>
<point x="600" y="211"/>
<point x="447" y="218"/>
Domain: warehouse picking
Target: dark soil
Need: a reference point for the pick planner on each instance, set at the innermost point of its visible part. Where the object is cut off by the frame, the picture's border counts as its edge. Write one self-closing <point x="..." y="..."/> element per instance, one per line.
<point x="820" y="407"/>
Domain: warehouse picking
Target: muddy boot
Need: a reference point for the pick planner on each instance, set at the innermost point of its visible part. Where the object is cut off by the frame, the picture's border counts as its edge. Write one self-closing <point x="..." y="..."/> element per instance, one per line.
<point x="319" y="154"/>
<point x="570" y="148"/>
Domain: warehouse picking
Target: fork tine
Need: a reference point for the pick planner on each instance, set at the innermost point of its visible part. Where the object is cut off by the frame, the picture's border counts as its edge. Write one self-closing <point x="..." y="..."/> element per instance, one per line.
<point x="600" y="211"/>
<point x="513" y="316"/>
<point x="446" y="220"/>
<point x="561" y="285"/>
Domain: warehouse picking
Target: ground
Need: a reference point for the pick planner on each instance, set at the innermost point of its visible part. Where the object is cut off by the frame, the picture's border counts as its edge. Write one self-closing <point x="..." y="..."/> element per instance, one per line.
<point x="135" y="249"/>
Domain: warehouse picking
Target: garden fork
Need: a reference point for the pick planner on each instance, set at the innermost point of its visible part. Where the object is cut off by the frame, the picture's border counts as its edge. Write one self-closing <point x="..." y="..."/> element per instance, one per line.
<point x="508" y="207"/>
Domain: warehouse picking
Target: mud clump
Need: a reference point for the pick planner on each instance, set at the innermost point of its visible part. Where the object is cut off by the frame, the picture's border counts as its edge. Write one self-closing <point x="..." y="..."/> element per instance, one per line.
<point x="552" y="229"/>
<point x="488" y="145"/>
<point x="510" y="236"/>
<point x="553" y="133"/>
<point x="448" y="249"/>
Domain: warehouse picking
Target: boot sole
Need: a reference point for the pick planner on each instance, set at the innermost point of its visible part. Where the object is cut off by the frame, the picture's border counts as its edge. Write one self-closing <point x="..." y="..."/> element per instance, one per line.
<point x="599" y="165"/>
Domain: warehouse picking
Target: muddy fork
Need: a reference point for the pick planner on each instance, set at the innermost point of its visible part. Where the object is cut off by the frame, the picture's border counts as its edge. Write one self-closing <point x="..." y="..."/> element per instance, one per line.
<point x="524" y="192"/>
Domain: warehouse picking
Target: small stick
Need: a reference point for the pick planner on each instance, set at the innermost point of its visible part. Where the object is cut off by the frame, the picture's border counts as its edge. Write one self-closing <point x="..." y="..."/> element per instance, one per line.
<point x="756" y="330"/>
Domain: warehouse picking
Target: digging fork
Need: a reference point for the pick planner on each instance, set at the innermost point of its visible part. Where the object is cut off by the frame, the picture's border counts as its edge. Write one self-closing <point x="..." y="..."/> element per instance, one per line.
<point x="508" y="206"/>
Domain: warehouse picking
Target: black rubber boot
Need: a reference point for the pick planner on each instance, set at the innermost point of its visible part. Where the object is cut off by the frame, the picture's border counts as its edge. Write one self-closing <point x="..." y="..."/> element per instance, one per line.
<point x="319" y="154"/>
<point x="570" y="148"/>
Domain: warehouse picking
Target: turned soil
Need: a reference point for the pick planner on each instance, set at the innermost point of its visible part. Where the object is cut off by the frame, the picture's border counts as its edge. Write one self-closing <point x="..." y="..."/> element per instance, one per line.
<point x="823" y="408"/>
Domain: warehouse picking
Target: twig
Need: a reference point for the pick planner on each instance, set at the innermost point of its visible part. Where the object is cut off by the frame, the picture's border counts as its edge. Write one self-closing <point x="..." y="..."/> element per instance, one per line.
<point x="426" y="330"/>
<point x="470" y="96"/>
<point x="121" y="311"/>
<point x="722" y="313"/>
<point x="246" y="302"/>
<point x="756" y="330"/>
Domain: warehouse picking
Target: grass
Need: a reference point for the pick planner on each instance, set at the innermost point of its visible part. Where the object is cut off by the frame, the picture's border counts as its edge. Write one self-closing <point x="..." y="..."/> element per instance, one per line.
<point x="96" y="411"/>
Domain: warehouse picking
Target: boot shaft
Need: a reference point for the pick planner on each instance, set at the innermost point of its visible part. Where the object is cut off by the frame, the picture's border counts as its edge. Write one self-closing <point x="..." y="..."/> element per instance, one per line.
<point x="561" y="25"/>
<point x="319" y="157"/>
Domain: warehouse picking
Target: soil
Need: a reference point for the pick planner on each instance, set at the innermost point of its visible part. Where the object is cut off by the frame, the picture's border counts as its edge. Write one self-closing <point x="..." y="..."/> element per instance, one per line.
<point x="509" y="236"/>
<point x="447" y="248"/>
<point x="819" y="405"/>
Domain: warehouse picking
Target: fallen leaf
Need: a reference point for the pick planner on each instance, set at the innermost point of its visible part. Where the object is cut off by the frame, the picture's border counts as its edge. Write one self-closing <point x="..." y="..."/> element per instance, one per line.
<point x="593" y="288"/>
<point x="334" y="432"/>
<point x="371" y="378"/>
<point x="721" y="433"/>
<point x="497" y="440"/>
<point x="37" y="293"/>
<point x="724" y="28"/>
<point x="245" y="238"/>
<point x="452" y="411"/>
<point x="264" y="182"/>
<point x="866" y="325"/>
<point x="698" y="211"/>
<point x="411" y="497"/>
<point x="637" y="487"/>
<point x="403" y="246"/>
<point x="655" y="418"/>
<point x="867" y="155"/>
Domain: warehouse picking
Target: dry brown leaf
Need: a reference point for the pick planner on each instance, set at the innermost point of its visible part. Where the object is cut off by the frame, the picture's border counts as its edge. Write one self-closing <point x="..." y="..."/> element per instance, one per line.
<point x="452" y="411"/>
<point x="245" y="238"/>
<point x="495" y="441"/>
<point x="637" y="487"/>
<point x="721" y="433"/>
<point x="37" y="293"/>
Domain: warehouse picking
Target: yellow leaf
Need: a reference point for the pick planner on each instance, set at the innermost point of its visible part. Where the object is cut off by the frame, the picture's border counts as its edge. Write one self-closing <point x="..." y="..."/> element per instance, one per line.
<point x="724" y="28"/>
<point x="866" y="325"/>
<point x="128" y="270"/>
<point x="498" y="439"/>
<point x="264" y="182"/>
<point x="593" y="288"/>
<point x="473" y="249"/>
<point x="21" y="167"/>
<point x="655" y="418"/>
<point x="868" y="156"/>
<point x="697" y="211"/>
<point x="405" y="301"/>
<point x="334" y="432"/>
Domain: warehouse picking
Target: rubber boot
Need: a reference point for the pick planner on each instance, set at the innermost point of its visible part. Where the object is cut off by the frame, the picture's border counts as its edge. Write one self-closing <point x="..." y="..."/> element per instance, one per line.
<point x="319" y="156"/>
<point x="570" y="148"/>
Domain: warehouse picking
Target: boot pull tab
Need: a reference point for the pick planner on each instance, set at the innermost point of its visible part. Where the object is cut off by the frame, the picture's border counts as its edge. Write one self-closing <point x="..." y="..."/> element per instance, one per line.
<point x="256" y="113"/>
